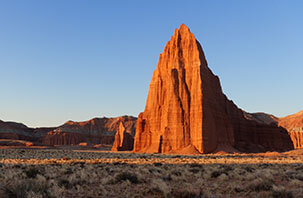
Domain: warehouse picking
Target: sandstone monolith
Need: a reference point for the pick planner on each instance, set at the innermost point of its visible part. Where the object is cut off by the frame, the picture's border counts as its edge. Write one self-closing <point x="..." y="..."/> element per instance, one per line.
<point x="187" y="112"/>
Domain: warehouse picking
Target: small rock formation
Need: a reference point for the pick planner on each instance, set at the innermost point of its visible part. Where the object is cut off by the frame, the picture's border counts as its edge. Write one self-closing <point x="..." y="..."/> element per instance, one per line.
<point x="294" y="125"/>
<point x="84" y="144"/>
<point x="123" y="140"/>
<point x="187" y="112"/>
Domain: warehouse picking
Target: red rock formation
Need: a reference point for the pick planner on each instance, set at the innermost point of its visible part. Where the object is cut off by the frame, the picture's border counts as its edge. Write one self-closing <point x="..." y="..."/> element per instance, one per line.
<point x="123" y="140"/>
<point x="297" y="139"/>
<point x="292" y="122"/>
<point x="16" y="131"/>
<point x="95" y="131"/>
<point x="294" y="125"/>
<point x="60" y="138"/>
<point x="186" y="109"/>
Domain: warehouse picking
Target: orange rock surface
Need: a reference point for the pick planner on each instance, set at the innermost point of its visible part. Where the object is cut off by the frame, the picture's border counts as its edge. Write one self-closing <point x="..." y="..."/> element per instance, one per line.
<point x="294" y="125"/>
<point x="187" y="110"/>
<point x="94" y="131"/>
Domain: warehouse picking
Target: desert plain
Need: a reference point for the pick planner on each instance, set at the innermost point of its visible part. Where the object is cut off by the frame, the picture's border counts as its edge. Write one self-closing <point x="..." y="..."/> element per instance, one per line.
<point x="88" y="172"/>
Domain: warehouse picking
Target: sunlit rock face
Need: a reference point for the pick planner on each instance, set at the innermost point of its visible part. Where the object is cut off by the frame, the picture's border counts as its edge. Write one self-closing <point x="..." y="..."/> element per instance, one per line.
<point x="94" y="131"/>
<point x="187" y="112"/>
<point x="294" y="125"/>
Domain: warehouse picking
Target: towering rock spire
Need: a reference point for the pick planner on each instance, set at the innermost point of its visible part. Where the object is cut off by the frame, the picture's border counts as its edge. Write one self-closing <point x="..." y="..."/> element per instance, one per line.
<point x="123" y="140"/>
<point x="186" y="109"/>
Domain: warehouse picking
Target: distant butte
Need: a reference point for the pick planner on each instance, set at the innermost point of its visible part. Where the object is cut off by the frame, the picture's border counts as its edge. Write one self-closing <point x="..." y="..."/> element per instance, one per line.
<point x="187" y="112"/>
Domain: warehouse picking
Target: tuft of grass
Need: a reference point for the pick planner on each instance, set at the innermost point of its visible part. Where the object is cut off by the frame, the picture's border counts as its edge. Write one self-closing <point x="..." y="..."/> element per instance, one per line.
<point x="156" y="192"/>
<point x="132" y="177"/>
<point x="25" y="188"/>
<point x="32" y="172"/>
<point x="195" y="165"/>
<point x="194" y="170"/>
<point x="216" y="174"/>
<point x="176" y="173"/>
<point x="64" y="183"/>
<point x="68" y="171"/>
<point x="157" y="164"/>
<point x="282" y="194"/>
<point x="184" y="193"/>
<point x="260" y="185"/>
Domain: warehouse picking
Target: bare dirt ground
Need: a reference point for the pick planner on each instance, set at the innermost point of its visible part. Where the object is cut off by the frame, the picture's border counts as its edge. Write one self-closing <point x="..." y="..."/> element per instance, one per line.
<point x="46" y="172"/>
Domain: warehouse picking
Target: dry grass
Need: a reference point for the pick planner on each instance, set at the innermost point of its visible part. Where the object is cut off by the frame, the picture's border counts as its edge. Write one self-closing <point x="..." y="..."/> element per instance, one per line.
<point x="75" y="173"/>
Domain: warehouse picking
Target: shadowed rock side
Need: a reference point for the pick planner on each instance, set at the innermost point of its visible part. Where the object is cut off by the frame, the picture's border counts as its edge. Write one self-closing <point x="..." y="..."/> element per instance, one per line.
<point x="186" y="110"/>
<point x="123" y="141"/>
<point x="262" y="118"/>
<point x="18" y="131"/>
<point x="95" y="131"/>
<point x="294" y="125"/>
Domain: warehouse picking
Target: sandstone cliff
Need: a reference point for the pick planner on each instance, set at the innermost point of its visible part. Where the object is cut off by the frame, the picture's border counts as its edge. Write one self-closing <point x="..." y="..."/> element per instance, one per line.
<point x="294" y="125"/>
<point x="186" y="109"/>
<point x="94" y="131"/>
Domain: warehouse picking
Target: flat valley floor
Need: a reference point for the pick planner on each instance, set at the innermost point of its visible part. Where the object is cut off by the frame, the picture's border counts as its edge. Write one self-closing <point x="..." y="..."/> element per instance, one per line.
<point x="51" y="172"/>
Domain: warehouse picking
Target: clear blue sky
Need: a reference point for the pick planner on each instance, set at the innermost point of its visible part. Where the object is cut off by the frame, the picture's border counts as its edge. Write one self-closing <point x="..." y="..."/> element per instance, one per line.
<point x="74" y="60"/>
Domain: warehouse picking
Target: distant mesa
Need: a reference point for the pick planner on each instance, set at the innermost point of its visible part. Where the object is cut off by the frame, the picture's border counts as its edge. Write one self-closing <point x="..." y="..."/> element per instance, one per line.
<point x="95" y="132"/>
<point x="187" y="112"/>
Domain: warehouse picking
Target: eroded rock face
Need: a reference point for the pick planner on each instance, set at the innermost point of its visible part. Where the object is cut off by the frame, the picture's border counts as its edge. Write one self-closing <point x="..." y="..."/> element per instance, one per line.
<point x="294" y="125"/>
<point x="186" y="109"/>
<point x="123" y="141"/>
<point x="297" y="139"/>
<point x="95" y="131"/>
